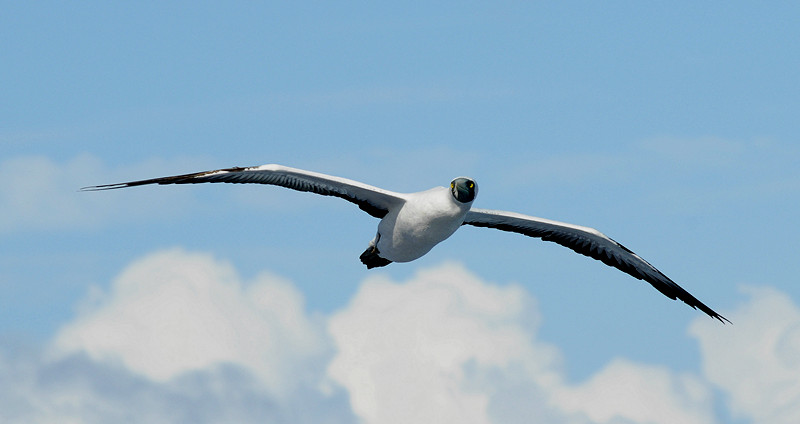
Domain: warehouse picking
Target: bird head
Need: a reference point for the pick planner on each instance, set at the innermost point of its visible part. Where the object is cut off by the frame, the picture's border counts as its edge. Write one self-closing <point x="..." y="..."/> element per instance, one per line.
<point x="464" y="189"/>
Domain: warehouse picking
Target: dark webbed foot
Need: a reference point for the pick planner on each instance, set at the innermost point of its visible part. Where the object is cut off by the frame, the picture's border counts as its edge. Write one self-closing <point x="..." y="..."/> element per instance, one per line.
<point x="371" y="258"/>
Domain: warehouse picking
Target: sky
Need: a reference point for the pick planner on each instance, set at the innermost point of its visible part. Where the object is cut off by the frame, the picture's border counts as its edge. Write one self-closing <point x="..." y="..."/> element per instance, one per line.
<point x="671" y="127"/>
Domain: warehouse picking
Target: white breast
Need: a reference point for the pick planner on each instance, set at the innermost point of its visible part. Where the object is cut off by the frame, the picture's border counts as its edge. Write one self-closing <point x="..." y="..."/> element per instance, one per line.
<point x="425" y="219"/>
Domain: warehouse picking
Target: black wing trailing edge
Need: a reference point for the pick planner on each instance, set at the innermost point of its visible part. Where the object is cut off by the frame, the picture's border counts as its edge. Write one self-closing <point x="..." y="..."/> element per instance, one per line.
<point x="591" y="243"/>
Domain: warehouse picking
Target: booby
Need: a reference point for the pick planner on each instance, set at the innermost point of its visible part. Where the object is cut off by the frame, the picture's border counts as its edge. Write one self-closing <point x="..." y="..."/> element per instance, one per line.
<point x="411" y="224"/>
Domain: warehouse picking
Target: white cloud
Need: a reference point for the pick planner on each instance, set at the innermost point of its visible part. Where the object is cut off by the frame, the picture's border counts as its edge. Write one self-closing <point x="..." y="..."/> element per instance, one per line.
<point x="180" y="338"/>
<point x="76" y="389"/>
<point x="756" y="360"/>
<point x="403" y="348"/>
<point x="175" y="312"/>
<point x="632" y="392"/>
<point x="447" y="347"/>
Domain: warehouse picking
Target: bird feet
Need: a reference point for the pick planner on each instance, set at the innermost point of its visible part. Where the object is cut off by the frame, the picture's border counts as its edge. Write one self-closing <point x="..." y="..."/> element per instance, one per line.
<point x="371" y="258"/>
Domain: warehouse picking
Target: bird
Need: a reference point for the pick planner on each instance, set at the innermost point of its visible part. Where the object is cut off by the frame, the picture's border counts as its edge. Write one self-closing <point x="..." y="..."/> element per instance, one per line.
<point x="411" y="224"/>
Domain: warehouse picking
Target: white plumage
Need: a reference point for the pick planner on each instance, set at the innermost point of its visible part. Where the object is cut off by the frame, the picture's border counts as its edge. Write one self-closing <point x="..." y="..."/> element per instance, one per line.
<point x="425" y="219"/>
<point x="413" y="223"/>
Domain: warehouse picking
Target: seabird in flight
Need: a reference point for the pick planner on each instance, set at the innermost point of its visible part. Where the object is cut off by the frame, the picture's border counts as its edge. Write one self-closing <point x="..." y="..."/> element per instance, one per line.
<point x="412" y="223"/>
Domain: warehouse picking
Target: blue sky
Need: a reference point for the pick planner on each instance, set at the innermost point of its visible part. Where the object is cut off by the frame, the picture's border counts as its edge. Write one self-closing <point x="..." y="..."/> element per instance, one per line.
<point x="670" y="127"/>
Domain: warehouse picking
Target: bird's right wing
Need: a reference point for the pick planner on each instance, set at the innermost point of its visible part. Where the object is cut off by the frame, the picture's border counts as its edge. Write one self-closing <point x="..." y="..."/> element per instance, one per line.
<point x="373" y="200"/>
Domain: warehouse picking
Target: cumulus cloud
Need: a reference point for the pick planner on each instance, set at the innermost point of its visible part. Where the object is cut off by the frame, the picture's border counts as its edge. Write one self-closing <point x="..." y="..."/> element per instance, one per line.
<point x="448" y="347"/>
<point x="757" y="360"/>
<point x="77" y="389"/>
<point x="638" y="393"/>
<point x="403" y="349"/>
<point x="175" y="312"/>
<point x="180" y="337"/>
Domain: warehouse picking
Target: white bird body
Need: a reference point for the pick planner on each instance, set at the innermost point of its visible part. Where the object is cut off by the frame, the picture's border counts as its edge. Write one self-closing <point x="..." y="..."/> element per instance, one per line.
<point x="424" y="220"/>
<point x="412" y="224"/>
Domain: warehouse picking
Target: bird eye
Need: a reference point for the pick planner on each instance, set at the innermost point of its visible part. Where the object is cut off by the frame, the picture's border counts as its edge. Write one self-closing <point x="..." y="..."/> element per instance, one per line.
<point x="471" y="185"/>
<point x="452" y="185"/>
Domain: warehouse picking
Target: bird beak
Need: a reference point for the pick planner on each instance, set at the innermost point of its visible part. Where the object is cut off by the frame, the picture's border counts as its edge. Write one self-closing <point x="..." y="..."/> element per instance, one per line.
<point x="462" y="192"/>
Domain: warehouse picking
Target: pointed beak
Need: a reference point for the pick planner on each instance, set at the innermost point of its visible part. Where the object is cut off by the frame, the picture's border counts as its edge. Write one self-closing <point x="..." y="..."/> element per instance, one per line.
<point x="463" y="192"/>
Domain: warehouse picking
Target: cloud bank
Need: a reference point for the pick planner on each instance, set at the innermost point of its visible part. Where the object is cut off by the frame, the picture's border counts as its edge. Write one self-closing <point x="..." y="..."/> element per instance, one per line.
<point x="756" y="361"/>
<point x="181" y="337"/>
<point x="423" y="351"/>
<point x="173" y="313"/>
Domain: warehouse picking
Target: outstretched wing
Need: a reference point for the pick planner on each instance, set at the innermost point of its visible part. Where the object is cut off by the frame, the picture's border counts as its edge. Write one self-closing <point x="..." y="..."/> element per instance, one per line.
<point x="373" y="200"/>
<point x="589" y="242"/>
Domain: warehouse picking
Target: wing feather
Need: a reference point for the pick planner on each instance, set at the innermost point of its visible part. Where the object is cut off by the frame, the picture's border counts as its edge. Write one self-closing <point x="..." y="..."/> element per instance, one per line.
<point x="590" y="242"/>
<point x="373" y="200"/>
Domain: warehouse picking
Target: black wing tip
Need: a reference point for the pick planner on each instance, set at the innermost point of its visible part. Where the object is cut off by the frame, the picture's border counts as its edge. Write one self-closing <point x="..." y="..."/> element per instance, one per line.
<point x="105" y="187"/>
<point x="121" y="185"/>
<point x="719" y="317"/>
<point x="175" y="179"/>
<point x="708" y="311"/>
<point x="696" y="304"/>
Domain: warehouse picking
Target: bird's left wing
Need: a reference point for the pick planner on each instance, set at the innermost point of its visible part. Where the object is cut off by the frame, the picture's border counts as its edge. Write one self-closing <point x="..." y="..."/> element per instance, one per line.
<point x="590" y="242"/>
<point x="373" y="200"/>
